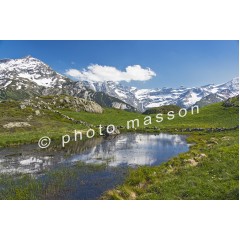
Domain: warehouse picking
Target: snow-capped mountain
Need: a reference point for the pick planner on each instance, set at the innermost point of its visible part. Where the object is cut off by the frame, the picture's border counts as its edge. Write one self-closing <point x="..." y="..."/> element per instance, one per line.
<point x="184" y="97"/>
<point x="116" y="90"/>
<point x="28" y="76"/>
<point x="31" y="69"/>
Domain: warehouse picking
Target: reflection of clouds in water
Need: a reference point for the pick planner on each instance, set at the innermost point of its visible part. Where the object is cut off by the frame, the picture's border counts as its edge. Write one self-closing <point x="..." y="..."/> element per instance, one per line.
<point x="135" y="149"/>
<point x="127" y="149"/>
<point x="163" y="139"/>
<point x="27" y="165"/>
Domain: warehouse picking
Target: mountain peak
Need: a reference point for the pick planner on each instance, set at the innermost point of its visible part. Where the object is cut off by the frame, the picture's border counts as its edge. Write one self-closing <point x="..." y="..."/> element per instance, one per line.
<point x="28" y="56"/>
<point x="30" y="69"/>
<point x="235" y="80"/>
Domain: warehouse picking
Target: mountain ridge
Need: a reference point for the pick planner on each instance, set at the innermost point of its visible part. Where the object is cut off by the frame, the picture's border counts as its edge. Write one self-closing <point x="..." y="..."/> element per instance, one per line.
<point x="143" y="99"/>
<point x="28" y="76"/>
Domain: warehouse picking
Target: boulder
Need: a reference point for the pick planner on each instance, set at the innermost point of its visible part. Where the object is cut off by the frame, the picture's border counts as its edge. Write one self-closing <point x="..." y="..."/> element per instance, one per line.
<point x="192" y="162"/>
<point x="22" y="106"/>
<point x="109" y="132"/>
<point x="118" y="105"/>
<point x="38" y="113"/>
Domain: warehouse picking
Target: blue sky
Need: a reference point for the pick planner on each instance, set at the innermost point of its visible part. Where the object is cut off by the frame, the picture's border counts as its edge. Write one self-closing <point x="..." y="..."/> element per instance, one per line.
<point x="171" y="63"/>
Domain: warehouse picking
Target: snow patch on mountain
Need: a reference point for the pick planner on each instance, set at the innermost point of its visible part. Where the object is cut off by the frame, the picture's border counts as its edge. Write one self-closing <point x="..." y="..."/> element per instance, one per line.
<point x="32" y="69"/>
<point x="148" y="98"/>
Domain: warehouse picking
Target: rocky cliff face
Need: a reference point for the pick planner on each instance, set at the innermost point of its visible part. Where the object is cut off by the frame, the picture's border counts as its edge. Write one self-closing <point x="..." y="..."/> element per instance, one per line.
<point x="61" y="102"/>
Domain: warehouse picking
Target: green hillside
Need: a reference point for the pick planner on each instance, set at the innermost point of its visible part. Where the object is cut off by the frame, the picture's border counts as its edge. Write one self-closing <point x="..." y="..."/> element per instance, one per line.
<point x="213" y="116"/>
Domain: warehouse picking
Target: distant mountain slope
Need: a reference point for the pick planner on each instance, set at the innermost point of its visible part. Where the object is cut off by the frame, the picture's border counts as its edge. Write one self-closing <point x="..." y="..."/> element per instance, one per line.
<point x="232" y="102"/>
<point x="143" y="99"/>
<point x="27" y="77"/>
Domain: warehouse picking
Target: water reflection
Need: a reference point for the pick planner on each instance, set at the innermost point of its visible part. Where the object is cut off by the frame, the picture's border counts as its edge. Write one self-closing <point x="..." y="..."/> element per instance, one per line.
<point x="125" y="149"/>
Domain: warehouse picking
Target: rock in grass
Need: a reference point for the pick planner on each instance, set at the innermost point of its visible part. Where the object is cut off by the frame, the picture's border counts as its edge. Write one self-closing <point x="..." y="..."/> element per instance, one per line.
<point x="192" y="162"/>
<point x="22" y="106"/>
<point x="110" y="131"/>
<point x="37" y="112"/>
<point x="16" y="124"/>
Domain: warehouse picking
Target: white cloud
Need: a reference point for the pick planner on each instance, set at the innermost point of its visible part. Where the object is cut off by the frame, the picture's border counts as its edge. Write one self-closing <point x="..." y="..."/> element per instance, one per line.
<point x="100" y="73"/>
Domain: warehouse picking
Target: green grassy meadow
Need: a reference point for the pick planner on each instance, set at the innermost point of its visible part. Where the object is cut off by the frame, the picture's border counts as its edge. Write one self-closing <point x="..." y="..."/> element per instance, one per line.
<point x="210" y="170"/>
<point x="54" y="126"/>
